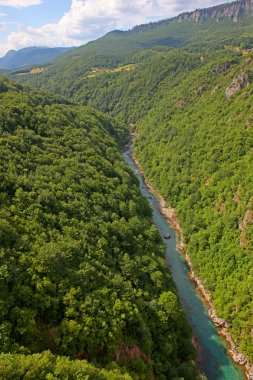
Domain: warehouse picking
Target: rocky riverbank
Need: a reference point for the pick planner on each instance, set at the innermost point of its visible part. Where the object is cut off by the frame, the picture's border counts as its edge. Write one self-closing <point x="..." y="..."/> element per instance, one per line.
<point x="222" y="326"/>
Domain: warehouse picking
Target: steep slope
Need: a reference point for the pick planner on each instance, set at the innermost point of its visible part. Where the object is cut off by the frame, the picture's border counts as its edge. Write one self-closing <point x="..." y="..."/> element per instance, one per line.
<point x="194" y="116"/>
<point x="30" y="56"/>
<point x="215" y="24"/>
<point x="82" y="266"/>
<point x="192" y="106"/>
<point x="198" y="32"/>
<point x="235" y="11"/>
<point x="196" y="147"/>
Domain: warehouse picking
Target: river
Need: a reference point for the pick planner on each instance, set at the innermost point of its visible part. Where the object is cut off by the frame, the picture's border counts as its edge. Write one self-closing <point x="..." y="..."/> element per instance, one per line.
<point x="213" y="359"/>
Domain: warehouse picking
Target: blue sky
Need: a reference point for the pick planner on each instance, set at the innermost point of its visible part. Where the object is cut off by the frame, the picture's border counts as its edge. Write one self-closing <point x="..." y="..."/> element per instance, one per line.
<point x="26" y="23"/>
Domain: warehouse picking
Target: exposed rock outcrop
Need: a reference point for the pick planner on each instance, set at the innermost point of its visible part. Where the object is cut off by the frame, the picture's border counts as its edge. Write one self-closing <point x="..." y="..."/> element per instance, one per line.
<point x="134" y="352"/>
<point x="247" y="219"/>
<point x="239" y="82"/>
<point x="219" y="322"/>
<point x="222" y="68"/>
<point x="232" y="11"/>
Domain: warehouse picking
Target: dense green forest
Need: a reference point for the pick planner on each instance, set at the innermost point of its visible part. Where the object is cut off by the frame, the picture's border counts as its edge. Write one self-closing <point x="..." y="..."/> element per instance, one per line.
<point x="193" y="113"/>
<point x="69" y="73"/>
<point x="196" y="146"/>
<point x="192" y="107"/>
<point x="83" y="279"/>
<point x="82" y="268"/>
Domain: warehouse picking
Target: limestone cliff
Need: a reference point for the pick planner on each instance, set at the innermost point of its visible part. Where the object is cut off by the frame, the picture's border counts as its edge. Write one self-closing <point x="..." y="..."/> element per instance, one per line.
<point x="232" y="11"/>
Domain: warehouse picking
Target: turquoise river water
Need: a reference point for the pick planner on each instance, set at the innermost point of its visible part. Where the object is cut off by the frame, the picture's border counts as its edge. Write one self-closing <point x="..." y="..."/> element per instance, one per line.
<point x="214" y="361"/>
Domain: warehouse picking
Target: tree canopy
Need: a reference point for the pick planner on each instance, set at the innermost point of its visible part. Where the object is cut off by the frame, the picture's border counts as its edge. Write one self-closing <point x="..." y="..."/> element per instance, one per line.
<point x="81" y="263"/>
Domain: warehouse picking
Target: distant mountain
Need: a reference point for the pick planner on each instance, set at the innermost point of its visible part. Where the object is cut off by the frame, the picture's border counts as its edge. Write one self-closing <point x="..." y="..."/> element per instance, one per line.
<point x="220" y="24"/>
<point x="218" y="27"/>
<point x="224" y="24"/>
<point x="30" y="56"/>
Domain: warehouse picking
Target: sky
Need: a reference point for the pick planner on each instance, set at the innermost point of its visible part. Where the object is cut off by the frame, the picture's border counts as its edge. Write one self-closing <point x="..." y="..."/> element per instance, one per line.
<point x="56" y="23"/>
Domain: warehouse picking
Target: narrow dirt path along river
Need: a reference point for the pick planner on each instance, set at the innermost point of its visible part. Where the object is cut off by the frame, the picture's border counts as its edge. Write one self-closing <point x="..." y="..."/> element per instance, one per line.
<point x="213" y="359"/>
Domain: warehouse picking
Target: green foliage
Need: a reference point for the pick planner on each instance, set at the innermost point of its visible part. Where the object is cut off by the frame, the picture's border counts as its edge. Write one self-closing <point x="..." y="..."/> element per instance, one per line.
<point x="196" y="148"/>
<point x="189" y="95"/>
<point x="66" y="75"/>
<point x="195" y="143"/>
<point x="195" y="140"/>
<point x="82" y="266"/>
<point x="46" y="366"/>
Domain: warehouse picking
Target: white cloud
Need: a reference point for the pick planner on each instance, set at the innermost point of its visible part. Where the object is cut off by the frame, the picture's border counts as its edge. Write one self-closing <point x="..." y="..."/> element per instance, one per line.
<point x="19" y="3"/>
<point x="90" y="19"/>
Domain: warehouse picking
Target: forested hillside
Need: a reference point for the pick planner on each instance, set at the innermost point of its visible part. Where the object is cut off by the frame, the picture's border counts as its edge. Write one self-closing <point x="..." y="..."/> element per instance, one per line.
<point x="82" y="266"/>
<point x="78" y="241"/>
<point x="196" y="147"/>
<point x="192" y="107"/>
<point x="203" y="31"/>
<point x="193" y="112"/>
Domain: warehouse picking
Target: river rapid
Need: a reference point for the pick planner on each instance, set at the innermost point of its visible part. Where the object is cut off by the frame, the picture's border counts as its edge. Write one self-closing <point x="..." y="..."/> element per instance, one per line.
<point x="212" y="359"/>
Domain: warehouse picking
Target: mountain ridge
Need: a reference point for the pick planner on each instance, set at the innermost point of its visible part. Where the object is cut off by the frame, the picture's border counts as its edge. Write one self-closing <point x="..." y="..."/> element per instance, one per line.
<point x="183" y="30"/>
<point x="232" y="11"/>
<point x="14" y="59"/>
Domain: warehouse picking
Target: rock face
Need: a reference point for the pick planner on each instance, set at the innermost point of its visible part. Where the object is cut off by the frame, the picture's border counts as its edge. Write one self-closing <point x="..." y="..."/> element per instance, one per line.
<point x="239" y="82"/>
<point x="222" y="68"/>
<point x="248" y="219"/>
<point x="134" y="352"/>
<point x="219" y="322"/>
<point x="232" y="11"/>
